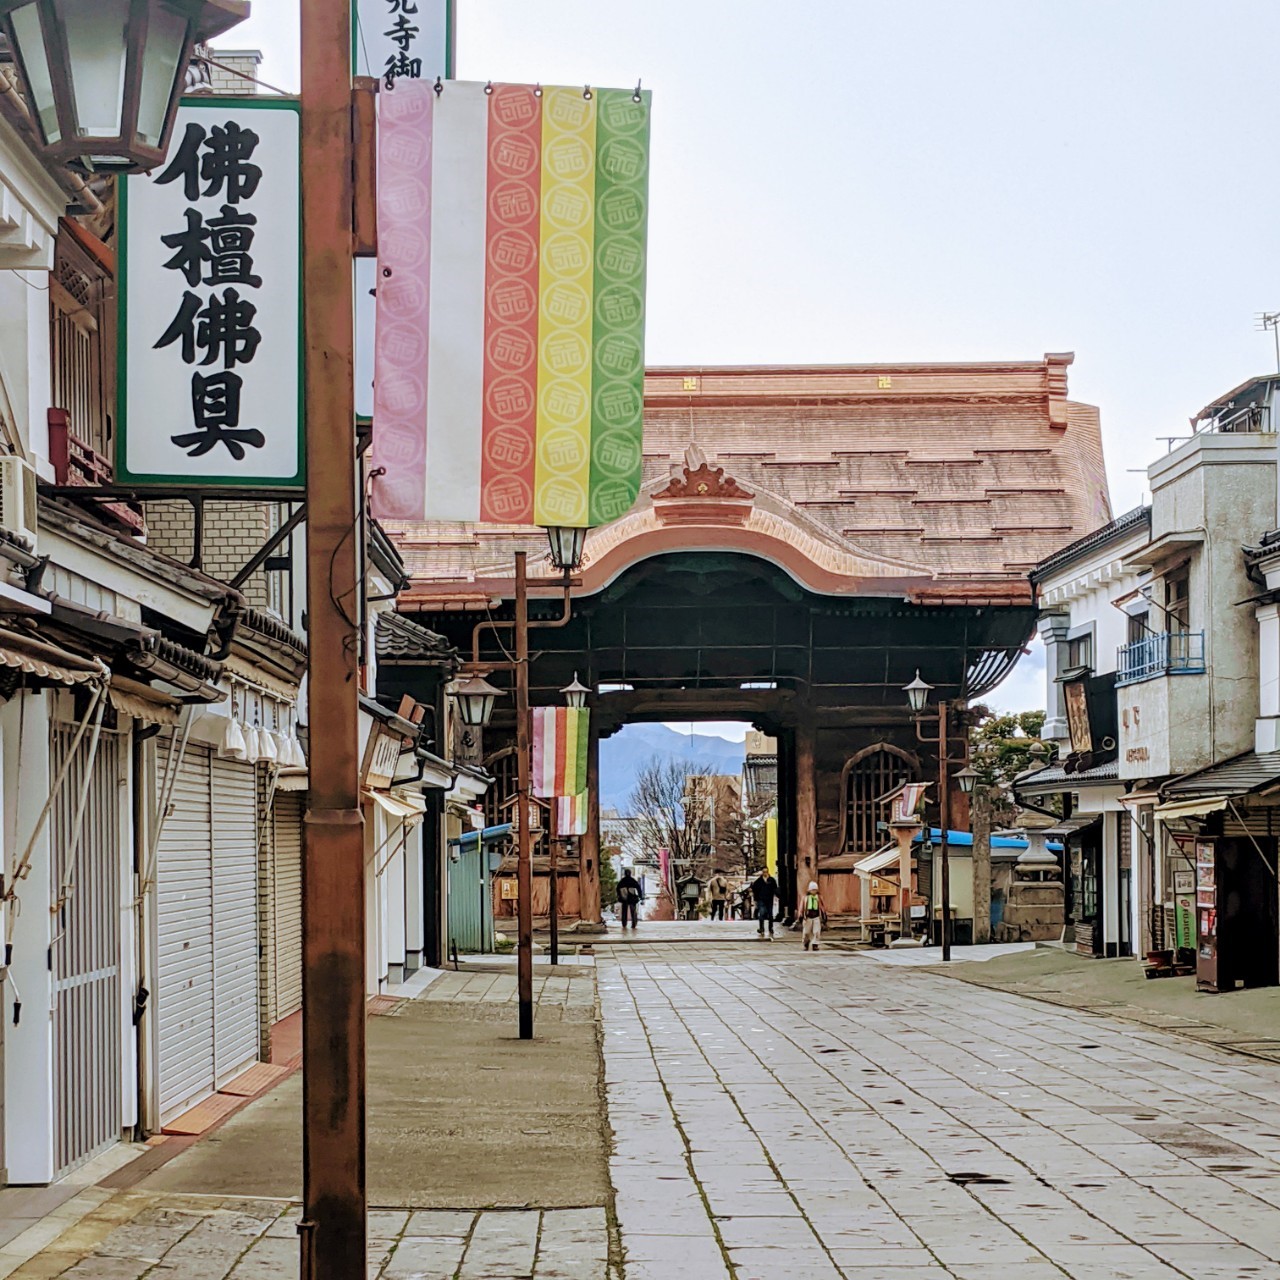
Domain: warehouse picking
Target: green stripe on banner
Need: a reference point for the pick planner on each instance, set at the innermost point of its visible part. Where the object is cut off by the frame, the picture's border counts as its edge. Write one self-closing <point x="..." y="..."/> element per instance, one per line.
<point x="617" y="384"/>
<point x="575" y="751"/>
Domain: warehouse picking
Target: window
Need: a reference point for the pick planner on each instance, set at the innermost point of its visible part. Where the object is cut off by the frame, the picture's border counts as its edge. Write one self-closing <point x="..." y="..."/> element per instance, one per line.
<point x="869" y="775"/>
<point x="1177" y="598"/>
<point x="1138" y="627"/>
<point x="1080" y="651"/>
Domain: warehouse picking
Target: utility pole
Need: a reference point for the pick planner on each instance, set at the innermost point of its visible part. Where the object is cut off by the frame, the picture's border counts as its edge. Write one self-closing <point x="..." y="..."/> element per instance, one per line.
<point x="944" y="817"/>
<point x="553" y="883"/>
<point x="524" y="868"/>
<point x="333" y="1226"/>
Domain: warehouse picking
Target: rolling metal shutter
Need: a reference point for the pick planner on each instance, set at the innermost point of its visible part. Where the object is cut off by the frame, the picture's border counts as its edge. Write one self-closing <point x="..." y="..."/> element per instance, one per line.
<point x="287" y="903"/>
<point x="85" y="958"/>
<point x="207" y="874"/>
<point x="235" y="918"/>
<point x="185" y="926"/>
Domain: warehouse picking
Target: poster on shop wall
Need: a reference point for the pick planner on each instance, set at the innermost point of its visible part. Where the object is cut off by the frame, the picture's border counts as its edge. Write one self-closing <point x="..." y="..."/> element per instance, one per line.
<point x="210" y="386"/>
<point x="393" y="39"/>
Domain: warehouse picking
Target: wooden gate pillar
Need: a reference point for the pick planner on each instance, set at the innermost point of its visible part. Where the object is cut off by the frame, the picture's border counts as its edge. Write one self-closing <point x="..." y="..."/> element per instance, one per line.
<point x="806" y="807"/>
<point x="589" y="856"/>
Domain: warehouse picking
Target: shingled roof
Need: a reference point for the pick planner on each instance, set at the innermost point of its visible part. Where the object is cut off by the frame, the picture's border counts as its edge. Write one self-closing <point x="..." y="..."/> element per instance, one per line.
<point x="400" y="639"/>
<point x="962" y="472"/>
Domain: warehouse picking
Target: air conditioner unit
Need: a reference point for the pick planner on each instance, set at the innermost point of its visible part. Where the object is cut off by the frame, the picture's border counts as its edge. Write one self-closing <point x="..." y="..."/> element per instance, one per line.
<point x="18" y="497"/>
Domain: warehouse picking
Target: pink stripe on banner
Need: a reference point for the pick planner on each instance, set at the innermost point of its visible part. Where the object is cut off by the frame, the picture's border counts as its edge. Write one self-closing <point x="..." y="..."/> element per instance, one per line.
<point x="544" y="727"/>
<point x="405" y="120"/>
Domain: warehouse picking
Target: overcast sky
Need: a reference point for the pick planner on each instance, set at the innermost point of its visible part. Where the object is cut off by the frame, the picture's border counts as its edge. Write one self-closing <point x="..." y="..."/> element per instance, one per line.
<point x="927" y="180"/>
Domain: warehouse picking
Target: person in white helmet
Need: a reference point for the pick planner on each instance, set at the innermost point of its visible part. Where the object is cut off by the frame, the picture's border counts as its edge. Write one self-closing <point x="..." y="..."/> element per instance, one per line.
<point x="811" y="913"/>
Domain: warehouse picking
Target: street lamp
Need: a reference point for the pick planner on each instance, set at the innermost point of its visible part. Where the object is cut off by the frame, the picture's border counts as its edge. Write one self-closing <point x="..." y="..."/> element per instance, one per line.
<point x="567" y="543"/>
<point x="575" y="694"/>
<point x="103" y="78"/>
<point x="917" y="692"/>
<point x="917" y="699"/>
<point x="475" y="697"/>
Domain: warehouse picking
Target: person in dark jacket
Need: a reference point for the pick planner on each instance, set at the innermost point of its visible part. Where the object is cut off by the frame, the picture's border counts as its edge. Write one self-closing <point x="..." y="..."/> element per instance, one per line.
<point x="630" y="896"/>
<point x="764" y="893"/>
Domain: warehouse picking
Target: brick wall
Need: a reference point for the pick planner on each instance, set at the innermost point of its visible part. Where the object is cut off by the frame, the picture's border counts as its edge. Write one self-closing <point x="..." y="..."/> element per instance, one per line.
<point x="233" y="534"/>
<point x="223" y="83"/>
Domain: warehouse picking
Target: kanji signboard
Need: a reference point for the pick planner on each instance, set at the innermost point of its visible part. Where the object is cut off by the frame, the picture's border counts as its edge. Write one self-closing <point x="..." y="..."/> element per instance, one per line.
<point x="404" y="39"/>
<point x="210" y="364"/>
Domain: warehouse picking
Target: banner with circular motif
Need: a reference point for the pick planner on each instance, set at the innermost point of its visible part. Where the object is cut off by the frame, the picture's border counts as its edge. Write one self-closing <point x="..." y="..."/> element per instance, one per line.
<point x="509" y="370"/>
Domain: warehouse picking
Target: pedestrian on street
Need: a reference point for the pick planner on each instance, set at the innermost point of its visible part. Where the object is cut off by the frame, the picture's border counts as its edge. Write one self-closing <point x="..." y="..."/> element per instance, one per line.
<point x="764" y="892"/>
<point x="630" y="896"/>
<point x="718" y="888"/>
<point x="812" y="913"/>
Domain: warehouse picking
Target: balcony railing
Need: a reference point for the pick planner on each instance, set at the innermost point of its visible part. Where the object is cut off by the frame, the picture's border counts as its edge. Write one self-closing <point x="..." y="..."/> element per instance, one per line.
<point x="77" y="463"/>
<point x="1165" y="653"/>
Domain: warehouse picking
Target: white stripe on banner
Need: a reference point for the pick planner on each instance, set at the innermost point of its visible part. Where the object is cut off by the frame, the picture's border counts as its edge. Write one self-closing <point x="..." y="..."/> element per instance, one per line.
<point x="455" y="353"/>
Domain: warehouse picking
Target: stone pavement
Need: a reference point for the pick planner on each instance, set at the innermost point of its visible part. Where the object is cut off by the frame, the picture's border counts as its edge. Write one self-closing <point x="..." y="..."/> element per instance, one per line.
<point x="778" y="1114"/>
<point x="233" y="1238"/>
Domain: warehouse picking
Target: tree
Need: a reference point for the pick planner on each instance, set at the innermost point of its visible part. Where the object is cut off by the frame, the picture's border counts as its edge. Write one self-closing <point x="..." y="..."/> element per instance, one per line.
<point x="608" y="876"/>
<point x="999" y="749"/>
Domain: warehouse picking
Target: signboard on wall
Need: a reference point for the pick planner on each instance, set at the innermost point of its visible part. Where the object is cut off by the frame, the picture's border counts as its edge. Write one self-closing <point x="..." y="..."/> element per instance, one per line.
<point x="210" y="360"/>
<point x="1077" y="700"/>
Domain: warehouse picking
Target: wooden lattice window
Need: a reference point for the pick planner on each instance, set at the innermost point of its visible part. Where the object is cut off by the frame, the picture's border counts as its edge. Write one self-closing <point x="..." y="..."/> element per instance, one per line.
<point x="866" y="778"/>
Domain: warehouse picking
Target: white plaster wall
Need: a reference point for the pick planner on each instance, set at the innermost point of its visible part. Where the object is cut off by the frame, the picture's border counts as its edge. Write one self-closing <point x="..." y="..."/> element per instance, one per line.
<point x="28" y="1056"/>
<point x="394" y="893"/>
<point x="25" y="360"/>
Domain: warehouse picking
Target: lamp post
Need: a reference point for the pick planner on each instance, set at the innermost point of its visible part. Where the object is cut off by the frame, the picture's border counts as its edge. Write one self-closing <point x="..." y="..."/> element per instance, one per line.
<point x="917" y="699"/>
<point x="575" y="696"/>
<point x="103" y="79"/>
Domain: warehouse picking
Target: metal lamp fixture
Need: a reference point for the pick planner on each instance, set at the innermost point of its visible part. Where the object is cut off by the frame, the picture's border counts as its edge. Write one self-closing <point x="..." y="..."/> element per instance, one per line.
<point x="475" y="697"/>
<point x="567" y="543"/>
<point x="575" y="694"/>
<point x="917" y="693"/>
<point x="967" y="777"/>
<point x="103" y="77"/>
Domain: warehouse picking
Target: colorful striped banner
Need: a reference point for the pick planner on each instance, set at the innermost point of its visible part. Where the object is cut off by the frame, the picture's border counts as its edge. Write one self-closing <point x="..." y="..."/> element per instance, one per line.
<point x="571" y="815"/>
<point x="509" y="372"/>
<point x="560" y="750"/>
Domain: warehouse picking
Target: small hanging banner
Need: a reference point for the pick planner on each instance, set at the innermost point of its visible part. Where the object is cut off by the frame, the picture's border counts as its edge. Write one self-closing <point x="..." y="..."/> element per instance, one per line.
<point x="571" y="815"/>
<point x="560" y="750"/>
<point x="509" y="367"/>
<point x="210" y="332"/>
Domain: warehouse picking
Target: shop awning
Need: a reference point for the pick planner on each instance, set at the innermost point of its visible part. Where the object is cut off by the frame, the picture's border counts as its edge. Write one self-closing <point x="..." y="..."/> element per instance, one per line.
<point x="873" y="863"/>
<point x="1197" y="808"/>
<point x="1070" y="826"/>
<point x="293" y="781"/>
<point x="46" y="661"/>
<point x="490" y="835"/>
<point x="142" y="703"/>
<point x="404" y="805"/>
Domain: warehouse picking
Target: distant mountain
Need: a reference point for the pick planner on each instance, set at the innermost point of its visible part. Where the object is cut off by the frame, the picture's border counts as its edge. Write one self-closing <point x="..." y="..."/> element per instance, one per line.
<point x="629" y="750"/>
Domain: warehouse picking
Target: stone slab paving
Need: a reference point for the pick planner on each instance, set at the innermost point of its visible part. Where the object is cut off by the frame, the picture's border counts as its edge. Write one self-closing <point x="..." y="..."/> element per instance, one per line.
<point x="136" y="1236"/>
<point x="781" y="1114"/>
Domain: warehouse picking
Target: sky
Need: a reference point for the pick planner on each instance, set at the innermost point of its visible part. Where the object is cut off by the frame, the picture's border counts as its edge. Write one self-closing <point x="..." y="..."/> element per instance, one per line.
<point x="837" y="181"/>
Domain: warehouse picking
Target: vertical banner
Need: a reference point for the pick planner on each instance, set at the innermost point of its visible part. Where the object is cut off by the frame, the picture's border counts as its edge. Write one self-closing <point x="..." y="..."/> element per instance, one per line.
<point x="403" y="39"/>
<point x="210" y="332"/>
<point x="392" y="40"/>
<point x="771" y="845"/>
<point x="560" y="750"/>
<point x="571" y="815"/>
<point x="527" y="299"/>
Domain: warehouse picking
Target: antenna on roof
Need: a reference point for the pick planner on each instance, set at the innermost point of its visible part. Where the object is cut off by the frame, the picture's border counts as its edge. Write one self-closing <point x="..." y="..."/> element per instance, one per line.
<point x="1270" y="320"/>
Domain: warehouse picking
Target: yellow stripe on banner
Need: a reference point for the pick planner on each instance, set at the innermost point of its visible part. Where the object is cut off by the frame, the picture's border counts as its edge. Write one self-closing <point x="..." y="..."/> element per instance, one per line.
<point x="562" y="474"/>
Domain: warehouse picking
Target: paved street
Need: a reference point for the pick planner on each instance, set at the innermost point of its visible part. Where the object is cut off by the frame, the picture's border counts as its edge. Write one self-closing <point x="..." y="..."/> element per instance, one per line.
<point x="780" y="1114"/>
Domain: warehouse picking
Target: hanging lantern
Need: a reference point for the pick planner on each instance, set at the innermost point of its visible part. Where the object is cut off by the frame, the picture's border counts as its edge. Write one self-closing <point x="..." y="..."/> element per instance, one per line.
<point x="567" y="544"/>
<point x="103" y="77"/>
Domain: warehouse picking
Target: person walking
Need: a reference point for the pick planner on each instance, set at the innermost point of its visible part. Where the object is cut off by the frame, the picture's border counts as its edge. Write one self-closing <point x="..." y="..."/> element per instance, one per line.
<point x="630" y="896"/>
<point x="811" y="913"/>
<point x="718" y="890"/>
<point x="764" y="893"/>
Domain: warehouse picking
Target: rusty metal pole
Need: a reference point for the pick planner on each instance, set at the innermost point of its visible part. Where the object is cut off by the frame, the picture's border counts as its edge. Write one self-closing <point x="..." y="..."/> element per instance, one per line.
<point x="333" y="898"/>
<point x="524" y="869"/>
<point x="944" y="814"/>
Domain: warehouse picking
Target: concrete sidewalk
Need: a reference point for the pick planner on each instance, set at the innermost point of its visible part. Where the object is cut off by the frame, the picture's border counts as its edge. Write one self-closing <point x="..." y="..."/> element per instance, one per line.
<point x="1243" y="1021"/>
<point x="487" y="1156"/>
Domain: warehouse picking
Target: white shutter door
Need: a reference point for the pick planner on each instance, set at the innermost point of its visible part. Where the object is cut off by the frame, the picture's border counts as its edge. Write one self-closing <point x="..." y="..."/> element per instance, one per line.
<point x="184" y="875"/>
<point x="287" y="902"/>
<point x="235" y="918"/>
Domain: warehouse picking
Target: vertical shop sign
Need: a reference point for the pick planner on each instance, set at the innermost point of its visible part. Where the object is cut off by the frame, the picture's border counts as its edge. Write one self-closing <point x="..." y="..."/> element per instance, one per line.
<point x="210" y="360"/>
